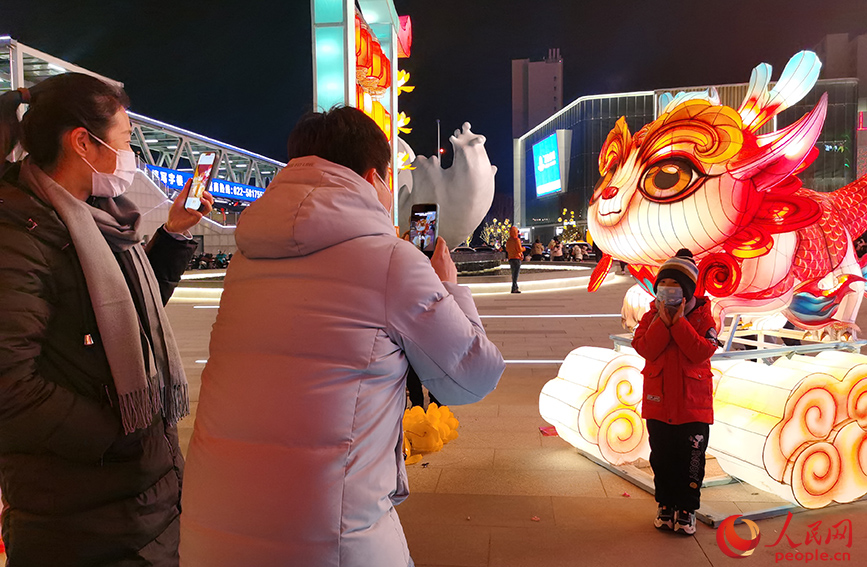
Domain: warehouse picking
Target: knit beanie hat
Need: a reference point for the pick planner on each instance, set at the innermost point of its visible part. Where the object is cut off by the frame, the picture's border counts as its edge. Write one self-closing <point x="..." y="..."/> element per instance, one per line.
<point x="682" y="269"/>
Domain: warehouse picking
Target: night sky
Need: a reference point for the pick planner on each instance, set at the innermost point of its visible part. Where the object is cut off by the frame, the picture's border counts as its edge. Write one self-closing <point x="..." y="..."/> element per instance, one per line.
<point x="241" y="71"/>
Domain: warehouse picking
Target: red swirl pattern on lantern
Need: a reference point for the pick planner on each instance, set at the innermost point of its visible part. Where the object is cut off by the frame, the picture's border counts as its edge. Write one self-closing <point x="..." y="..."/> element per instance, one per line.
<point x="715" y="133"/>
<point x="819" y="446"/>
<point x="816" y="471"/>
<point x="623" y="436"/>
<point x="611" y="417"/>
<point x="750" y="242"/>
<point x="856" y="403"/>
<point x="719" y="275"/>
<point x="786" y="213"/>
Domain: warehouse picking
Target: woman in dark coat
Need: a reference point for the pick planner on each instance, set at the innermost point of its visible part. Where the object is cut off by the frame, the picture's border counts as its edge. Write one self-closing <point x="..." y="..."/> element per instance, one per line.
<point x="91" y="381"/>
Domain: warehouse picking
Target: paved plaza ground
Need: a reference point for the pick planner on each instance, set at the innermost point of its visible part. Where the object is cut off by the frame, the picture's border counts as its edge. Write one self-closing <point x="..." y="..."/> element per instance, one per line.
<point x="503" y="494"/>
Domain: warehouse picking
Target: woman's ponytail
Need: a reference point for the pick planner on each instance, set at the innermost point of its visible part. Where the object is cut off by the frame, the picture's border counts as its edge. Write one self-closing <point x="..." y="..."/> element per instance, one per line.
<point x="57" y="105"/>
<point x="10" y="126"/>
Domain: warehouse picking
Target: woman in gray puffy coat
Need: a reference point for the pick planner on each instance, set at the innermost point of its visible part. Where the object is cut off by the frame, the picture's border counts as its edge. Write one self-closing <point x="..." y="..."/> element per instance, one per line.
<point x="296" y="455"/>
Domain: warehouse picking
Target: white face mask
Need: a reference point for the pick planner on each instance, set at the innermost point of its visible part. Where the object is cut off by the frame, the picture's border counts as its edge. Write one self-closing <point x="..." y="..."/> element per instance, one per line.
<point x="116" y="183"/>
<point x="670" y="295"/>
<point x="383" y="193"/>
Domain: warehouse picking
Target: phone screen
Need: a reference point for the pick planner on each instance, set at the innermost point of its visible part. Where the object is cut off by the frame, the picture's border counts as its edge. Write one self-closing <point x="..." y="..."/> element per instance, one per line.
<point x="201" y="180"/>
<point x="423" y="227"/>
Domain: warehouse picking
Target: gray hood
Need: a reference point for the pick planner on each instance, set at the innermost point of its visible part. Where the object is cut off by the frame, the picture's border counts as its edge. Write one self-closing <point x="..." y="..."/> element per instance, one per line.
<point x="309" y="206"/>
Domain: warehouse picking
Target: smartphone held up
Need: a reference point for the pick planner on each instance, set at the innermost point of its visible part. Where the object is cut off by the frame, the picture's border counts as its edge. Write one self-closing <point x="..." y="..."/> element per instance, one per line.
<point x="205" y="171"/>
<point x="424" y="227"/>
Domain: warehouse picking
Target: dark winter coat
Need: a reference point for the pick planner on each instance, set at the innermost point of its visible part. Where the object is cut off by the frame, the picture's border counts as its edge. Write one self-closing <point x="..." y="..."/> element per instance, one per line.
<point x="678" y="384"/>
<point x="77" y="491"/>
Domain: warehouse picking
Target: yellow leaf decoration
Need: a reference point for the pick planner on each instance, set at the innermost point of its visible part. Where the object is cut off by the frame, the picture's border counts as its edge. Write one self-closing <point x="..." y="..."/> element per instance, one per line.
<point x="402" y="78"/>
<point x="428" y="431"/>
<point x="403" y="161"/>
<point x="402" y="121"/>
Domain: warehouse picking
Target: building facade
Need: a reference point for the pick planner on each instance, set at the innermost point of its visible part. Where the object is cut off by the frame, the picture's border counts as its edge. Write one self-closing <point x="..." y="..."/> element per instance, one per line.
<point x="537" y="91"/>
<point x="844" y="56"/>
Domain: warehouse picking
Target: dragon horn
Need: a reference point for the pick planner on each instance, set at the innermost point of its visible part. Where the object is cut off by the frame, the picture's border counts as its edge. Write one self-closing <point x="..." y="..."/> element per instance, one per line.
<point x="781" y="153"/>
<point x="757" y="95"/>
<point x="799" y="76"/>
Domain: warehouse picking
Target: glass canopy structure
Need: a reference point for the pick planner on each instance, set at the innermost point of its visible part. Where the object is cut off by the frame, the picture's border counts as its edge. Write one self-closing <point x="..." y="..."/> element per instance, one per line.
<point x="166" y="151"/>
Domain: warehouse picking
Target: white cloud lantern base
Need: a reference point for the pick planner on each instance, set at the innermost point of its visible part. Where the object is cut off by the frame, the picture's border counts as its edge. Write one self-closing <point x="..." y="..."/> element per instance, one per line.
<point x="796" y="428"/>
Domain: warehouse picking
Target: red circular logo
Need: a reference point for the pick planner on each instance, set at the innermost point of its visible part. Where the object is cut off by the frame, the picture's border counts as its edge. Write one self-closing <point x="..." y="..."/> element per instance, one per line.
<point x="734" y="545"/>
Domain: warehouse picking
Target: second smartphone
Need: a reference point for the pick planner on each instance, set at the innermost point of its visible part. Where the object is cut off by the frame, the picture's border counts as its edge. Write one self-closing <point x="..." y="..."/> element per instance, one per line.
<point x="424" y="226"/>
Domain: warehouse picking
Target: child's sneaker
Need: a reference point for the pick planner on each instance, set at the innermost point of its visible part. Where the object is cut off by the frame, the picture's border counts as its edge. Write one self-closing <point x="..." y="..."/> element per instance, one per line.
<point x="664" y="518"/>
<point x="684" y="522"/>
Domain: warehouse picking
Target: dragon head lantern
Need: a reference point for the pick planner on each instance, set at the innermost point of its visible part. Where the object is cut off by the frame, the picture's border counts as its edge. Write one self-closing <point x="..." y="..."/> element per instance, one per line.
<point x="702" y="177"/>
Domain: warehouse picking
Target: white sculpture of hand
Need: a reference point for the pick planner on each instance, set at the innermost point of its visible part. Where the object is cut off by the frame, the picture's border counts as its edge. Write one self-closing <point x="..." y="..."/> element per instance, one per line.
<point x="464" y="192"/>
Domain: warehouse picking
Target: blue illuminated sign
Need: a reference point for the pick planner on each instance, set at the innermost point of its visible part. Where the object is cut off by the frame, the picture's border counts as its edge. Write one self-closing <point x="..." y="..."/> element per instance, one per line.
<point x="175" y="180"/>
<point x="547" y="166"/>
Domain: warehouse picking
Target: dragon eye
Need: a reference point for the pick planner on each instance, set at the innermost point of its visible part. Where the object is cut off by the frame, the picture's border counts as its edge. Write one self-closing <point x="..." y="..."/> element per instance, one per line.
<point x="670" y="178"/>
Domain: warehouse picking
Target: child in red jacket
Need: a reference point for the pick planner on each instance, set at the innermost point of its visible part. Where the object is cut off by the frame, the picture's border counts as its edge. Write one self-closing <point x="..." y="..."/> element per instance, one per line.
<point x="677" y="337"/>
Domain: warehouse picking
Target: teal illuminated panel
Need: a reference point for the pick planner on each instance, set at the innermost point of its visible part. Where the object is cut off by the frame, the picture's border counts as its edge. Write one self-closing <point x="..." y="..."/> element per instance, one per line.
<point x="330" y="62"/>
<point x="547" y="165"/>
<point x="328" y="11"/>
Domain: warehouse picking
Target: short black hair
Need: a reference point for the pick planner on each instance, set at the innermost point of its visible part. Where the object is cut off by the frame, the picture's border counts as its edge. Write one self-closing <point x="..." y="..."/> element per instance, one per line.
<point x="342" y="135"/>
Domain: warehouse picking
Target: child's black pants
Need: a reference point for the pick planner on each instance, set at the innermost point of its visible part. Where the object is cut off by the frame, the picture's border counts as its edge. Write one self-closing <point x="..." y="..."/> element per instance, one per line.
<point x="677" y="458"/>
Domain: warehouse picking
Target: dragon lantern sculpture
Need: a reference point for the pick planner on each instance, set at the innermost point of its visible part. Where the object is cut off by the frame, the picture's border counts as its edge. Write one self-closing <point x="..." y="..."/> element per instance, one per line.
<point x="702" y="177"/>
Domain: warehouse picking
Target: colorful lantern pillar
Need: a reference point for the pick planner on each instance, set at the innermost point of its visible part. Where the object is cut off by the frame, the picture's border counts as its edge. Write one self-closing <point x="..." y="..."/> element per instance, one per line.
<point x="333" y="52"/>
<point x="355" y="55"/>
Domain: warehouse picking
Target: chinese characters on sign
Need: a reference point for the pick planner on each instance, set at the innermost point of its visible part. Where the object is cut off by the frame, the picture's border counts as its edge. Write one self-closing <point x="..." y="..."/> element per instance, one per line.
<point x="814" y="537"/>
<point x="175" y="180"/>
<point x="830" y="539"/>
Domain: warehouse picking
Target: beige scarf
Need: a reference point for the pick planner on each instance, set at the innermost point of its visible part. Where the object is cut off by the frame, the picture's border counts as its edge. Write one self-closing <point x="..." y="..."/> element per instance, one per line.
<point x="97" y="233"/>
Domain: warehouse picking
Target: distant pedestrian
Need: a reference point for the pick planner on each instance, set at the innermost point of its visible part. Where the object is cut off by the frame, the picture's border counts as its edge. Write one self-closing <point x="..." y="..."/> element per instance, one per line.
<point x="556" y="249"/>
<point x="677" y="337"/>
<point x="537" y="251"/>
<point x="576" y="253"/>
<point x="516" y="253"/>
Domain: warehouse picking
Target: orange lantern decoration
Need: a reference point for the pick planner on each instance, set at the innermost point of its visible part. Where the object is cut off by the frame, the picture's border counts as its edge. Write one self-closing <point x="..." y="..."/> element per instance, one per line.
<point x="373" y="75"/>
<point x="357" y="35"/>
<point x="385" y="76"/>
<point x="363" y="53"/>
<point x="379" y="78"/>
<point x="371" y="78"/>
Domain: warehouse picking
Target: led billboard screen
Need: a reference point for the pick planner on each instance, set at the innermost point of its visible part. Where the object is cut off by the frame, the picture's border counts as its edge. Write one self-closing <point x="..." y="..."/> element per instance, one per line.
<point x="547" y="166"/>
